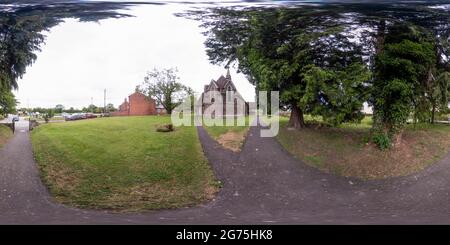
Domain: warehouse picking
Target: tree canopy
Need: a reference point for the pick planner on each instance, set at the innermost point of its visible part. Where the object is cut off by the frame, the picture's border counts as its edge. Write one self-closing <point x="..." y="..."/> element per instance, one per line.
<point x="329" y="59"/>
<point x="304" y="55"/>
<point x="164" y="86"/>
<point x="21" y="35"/>
<point x="7" y="103"/>
<point x="22" y="27"/>
<point x="403" y="69"/>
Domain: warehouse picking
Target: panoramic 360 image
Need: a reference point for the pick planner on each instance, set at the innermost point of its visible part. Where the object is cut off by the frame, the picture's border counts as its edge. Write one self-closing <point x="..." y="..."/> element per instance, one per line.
<point x="224" y="113"/>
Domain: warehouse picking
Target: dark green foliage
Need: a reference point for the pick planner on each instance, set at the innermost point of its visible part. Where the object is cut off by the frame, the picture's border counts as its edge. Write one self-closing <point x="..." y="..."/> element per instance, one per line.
<point x="7" y="102"/>
<point x="383" y="141"/>
<point x="402" y="71"/>
<point x="422" y="112"/>
<point x="91" y="108"/>
<point x="59" y="108"/>
<point x="439" y="95"/>
<point x="21" y="28"/>
<point x="20" y="39"/>
<point x="304" y="55"/>
<point x="48" y="115"/>
<point x="393" y="104"/>
<point x="164" y="86"/>
<point x="110" y="108"/>
<point x="337" y="96"/>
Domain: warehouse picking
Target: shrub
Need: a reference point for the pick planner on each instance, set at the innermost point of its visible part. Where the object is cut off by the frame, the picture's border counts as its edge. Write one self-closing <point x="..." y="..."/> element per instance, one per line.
<point x="48" y="115"/>
<point x="382" y="141"/>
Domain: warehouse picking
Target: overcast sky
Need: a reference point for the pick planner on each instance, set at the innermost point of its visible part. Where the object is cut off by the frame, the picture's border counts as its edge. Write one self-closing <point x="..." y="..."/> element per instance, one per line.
<point x="80" y="60"/>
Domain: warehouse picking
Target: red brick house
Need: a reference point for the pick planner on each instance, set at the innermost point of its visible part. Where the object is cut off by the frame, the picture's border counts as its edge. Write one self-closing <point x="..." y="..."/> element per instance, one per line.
<point x="137" y="105"/>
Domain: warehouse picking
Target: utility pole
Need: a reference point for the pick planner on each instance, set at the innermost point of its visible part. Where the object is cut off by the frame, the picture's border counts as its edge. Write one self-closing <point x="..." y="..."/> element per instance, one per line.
<point x="92" y="102"/>
<point x="104" y="101"/>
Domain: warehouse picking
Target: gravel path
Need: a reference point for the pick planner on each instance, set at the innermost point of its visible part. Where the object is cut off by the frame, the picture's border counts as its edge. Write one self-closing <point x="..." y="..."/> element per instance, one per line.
<point x="263" y="184"/>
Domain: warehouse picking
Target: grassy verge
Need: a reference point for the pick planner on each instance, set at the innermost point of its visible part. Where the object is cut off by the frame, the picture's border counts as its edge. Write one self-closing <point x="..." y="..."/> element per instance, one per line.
<point x="230" y="137"/>
<point x="122" y="163"/>
<point x="345" y="151"/>
<point x="5" y="134"/>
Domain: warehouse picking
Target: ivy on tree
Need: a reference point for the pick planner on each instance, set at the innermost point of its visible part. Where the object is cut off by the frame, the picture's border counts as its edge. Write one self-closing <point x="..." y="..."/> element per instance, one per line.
<point x="405" y="80"/>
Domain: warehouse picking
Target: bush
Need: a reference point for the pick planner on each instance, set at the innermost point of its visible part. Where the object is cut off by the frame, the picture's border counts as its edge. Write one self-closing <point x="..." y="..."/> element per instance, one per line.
<point x="47" y="116"/>
<point x="382" y="141"/>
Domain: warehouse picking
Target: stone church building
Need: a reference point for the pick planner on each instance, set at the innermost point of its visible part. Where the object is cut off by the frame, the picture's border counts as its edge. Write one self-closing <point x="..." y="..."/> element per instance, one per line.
<point x="224" y="86"/>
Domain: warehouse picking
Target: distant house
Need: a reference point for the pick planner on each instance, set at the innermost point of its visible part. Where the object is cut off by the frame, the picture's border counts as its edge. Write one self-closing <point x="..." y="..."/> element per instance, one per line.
<point x="367" y="109"/>
<point x="137" y="105"/>
<point x="224" y="86"/>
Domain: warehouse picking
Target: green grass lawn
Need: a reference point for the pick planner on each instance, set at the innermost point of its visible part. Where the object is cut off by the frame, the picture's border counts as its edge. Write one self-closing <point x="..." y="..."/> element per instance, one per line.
<point x="345" y="150"/>
<point x="230" y="137"/>
<point x="5" y="134"/>
<point x="122" y="163"/>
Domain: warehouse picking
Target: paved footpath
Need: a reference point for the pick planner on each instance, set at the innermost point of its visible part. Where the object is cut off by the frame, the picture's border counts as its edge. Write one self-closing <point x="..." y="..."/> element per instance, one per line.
<point x="262" y="185"/>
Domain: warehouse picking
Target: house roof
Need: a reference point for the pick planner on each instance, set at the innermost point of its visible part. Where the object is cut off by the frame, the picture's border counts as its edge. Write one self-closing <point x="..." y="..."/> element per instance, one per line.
<point x="137" y="93"/>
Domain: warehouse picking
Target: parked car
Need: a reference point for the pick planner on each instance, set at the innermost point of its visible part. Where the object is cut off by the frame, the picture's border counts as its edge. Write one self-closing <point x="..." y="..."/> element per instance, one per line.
<point x="68" y="117"/>
<point x="76" y="116"/>
<point x="79" y="116"/>
<point x="90" y="115"/>
<point x="15" y="118"/>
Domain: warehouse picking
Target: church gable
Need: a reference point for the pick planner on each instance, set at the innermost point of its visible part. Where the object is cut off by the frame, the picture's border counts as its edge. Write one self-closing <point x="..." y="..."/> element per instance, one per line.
<point x="229" y="86"/>
<point x="212" y="86"/>
<point x="223" y="84"/>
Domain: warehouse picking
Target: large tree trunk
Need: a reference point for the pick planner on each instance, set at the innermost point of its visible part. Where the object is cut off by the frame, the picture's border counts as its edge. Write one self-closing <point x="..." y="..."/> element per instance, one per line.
<point x="296" y="120"/>
<point x="381" y="34"/>
<point x="397" y="138"/>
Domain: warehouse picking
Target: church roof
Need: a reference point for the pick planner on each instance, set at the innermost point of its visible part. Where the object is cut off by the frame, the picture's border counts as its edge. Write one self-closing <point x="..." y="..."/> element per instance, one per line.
<point x="221" y="83"/>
